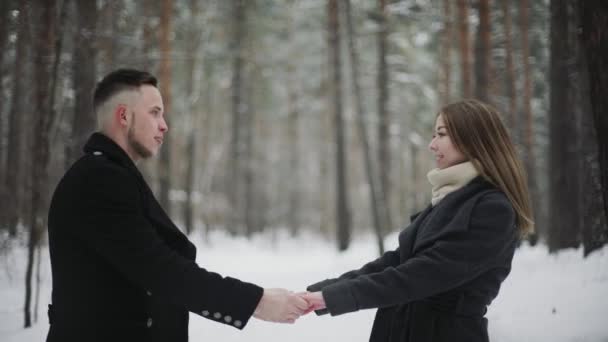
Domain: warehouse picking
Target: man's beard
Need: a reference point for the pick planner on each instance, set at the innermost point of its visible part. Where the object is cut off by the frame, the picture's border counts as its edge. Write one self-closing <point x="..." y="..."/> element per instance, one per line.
<point x="139" y="148"/>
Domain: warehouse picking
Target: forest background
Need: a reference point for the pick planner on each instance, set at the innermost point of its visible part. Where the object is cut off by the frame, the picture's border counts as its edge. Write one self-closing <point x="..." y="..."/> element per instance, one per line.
<point x="307" y="116"/>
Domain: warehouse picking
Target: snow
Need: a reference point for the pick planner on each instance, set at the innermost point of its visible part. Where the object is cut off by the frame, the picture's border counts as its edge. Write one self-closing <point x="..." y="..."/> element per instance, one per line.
<point x="548" y="297"/>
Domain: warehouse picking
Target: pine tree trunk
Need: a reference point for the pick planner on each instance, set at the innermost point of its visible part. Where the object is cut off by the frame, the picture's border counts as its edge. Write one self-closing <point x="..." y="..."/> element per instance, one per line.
<point x="250" y="221"/>
<point x="149" y="50"/>
<point x="511" y="115"/>
<point x="483" y="53"/>
<point x="529" y="158"/>
<point x="445" y="54"/>
<point x="325" y="205"/>
<point x="164" y="165"/>
<point x="342" y="207"/>
<point x="83" y="68"/>
<point x="563" y="157"/>
<point x="14" y="195"/>
<point x="465" y="49"/>
<point x="38" y="282"/>
<point x="45" y="83"/>
<point x="193" y="113"/>
<point x="293" y="137"/>
<point x="594" y="21"/>
<point x="150" y="10"/>
<point x="4" y="32"/>
<point x="384" y="120"/>
<point x="377" y="200"/>
<point x="234" y="182"/>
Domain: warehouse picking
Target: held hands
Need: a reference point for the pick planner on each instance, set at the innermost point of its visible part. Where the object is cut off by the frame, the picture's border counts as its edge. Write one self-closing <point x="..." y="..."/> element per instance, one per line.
<point x="283" y="306"/>
<point x="315" y="301"/>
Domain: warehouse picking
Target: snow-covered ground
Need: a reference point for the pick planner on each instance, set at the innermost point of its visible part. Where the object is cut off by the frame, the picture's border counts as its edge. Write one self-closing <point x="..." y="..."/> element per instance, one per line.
<point x="553" y="298"/>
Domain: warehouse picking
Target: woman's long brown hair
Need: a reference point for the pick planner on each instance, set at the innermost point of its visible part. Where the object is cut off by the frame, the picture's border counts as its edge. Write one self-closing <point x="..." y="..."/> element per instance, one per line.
<point x="477" y="131"/>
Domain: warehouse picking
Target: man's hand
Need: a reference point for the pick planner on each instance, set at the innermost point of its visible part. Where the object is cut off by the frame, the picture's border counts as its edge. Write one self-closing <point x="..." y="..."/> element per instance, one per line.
<point x="281" y="306"/>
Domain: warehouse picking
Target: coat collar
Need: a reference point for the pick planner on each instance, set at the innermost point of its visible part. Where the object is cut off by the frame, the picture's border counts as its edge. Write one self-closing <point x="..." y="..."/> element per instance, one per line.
<point x="476" y="185"/>
<point x="98" y="142"/>
<point x="456" y="198"/>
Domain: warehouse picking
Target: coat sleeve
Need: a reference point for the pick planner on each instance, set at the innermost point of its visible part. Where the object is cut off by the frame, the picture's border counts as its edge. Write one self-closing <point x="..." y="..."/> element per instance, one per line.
<point x="114" y="226"/>
<point x="388" y="259"/>
<point x="450" y="262"/>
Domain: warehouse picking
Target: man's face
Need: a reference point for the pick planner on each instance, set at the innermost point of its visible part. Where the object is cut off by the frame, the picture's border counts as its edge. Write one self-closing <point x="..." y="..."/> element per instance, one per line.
<point x="147" y="127"/>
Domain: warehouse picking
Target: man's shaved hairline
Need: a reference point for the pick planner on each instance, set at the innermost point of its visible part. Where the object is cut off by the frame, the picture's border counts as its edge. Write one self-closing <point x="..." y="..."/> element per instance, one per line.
<point x="105" y="110"/>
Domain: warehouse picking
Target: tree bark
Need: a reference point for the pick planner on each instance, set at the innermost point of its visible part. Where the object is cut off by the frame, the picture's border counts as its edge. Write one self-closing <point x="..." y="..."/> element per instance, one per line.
<point x="465" y="50"/>
<point x="529" y="158"/>
<point x="384" y="120"/>
<point x="251" y="221"/>
<point x="4" y="32"/>
<point x="483" y="53"/>
<point x="38" y="282"/>
<point x="46" y="82"/>
<point x="445" y="55"/>
<point x="150" y="36"/>
<point x="293" y="138"/>
<point x="193" y="114"/>
<point x="149" y="50"/>
<point x="83" y="68"/>
<point x="563" y="157"/>
<point x="14" y="194"/>
<point x="377" y="200"/>
<point x="511" y="115"/>
<point x="164" y="165"/>
<point x="594" y="21"/>
<point x="342" y="207"/>
<point x="234" y="182"/>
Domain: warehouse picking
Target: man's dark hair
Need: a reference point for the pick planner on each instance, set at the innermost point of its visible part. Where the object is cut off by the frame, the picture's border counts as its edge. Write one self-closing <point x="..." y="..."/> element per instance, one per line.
<point x="119" y="80"/>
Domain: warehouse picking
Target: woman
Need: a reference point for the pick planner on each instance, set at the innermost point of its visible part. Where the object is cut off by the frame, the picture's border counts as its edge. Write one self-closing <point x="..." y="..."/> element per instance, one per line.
<point x="453" y="257"/>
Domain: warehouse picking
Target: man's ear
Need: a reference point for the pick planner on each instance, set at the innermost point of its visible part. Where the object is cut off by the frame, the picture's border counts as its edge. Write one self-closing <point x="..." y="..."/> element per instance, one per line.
<point x="120" y="114"/>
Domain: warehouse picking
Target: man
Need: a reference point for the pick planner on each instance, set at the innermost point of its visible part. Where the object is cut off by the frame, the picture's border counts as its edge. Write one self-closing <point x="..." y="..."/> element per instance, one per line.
<point x="122" y="271"/>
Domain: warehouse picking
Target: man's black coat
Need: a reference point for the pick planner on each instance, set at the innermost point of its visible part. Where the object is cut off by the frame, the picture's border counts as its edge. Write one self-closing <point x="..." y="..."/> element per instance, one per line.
<point x="122" y="271"/>
<point x="448" y="267"/>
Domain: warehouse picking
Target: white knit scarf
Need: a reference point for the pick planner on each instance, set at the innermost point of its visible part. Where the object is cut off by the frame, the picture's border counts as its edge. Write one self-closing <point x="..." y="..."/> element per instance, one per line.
<point x="450" y="179"/>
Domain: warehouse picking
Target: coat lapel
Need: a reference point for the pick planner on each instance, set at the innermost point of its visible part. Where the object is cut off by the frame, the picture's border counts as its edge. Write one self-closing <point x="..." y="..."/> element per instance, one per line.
<point x="451" y="215"/>
<point x="153" y="211"/>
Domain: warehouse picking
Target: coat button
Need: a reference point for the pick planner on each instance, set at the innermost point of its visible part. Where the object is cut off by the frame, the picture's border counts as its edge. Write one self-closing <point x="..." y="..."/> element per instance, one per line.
<point x="227" y="319"/>
<point x="205" y="313"/>
<point x="238" y="323"/>
<point x="217" y="315"/>
<point x="149" y="322"/>
<point x="97" y="153"/>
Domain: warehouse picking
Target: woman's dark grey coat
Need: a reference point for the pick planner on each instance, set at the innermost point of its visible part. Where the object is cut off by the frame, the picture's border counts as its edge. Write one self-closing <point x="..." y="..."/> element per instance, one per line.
<point x="437" y="284"/>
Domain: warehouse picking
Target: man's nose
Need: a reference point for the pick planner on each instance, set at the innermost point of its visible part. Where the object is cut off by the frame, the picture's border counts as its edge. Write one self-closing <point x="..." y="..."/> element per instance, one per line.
<point x="163" y="126"/>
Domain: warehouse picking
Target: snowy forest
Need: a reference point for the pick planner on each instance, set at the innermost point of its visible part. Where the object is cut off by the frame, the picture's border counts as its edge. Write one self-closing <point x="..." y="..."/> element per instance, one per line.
<point x="300" y="118"/>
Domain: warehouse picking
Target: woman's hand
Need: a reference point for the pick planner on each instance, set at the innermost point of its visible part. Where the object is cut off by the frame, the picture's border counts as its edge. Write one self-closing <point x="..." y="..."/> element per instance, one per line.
<point x="315" y="301"/>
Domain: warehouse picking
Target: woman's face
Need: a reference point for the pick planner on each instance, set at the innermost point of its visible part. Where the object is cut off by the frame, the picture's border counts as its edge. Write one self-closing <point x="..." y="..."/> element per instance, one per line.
<point x="446" y="154"/>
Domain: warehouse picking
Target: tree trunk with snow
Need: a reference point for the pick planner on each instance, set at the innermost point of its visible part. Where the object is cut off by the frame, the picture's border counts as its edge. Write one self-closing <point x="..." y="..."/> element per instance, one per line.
<point x="594" y="22"/>
<point x="377" y="199"/>
<point x="342" y="207"/>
